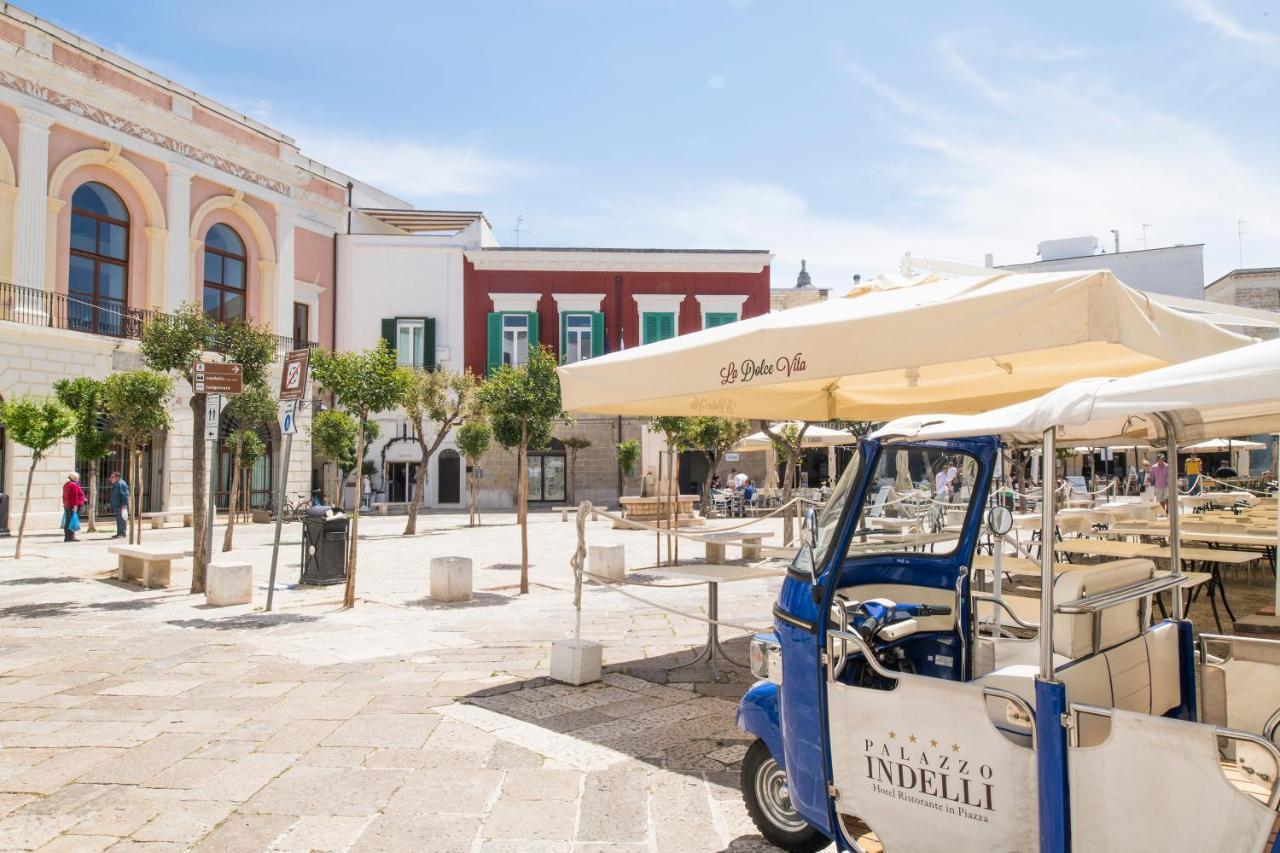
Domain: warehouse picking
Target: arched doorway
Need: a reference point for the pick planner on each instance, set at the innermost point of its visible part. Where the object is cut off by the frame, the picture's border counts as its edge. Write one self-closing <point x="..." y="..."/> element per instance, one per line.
<point x="449" y="471"/>
<point x="547" y="473"/>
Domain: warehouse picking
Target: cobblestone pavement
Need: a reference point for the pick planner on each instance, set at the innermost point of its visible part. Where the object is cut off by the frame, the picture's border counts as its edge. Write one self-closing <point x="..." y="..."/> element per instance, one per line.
<point x="134" y="719"/>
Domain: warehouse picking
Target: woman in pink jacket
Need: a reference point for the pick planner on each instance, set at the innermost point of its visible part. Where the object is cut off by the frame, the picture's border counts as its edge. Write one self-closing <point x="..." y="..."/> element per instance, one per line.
<point x="72" y="499"/>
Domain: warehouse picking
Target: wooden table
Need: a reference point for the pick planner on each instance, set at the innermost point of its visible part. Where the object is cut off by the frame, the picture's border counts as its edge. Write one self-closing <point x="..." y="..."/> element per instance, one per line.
<point x="1215" y="558"/>
<point x="1105" y="548"/>
<point x="716" y="542"/>
<point x="713" y="576"/>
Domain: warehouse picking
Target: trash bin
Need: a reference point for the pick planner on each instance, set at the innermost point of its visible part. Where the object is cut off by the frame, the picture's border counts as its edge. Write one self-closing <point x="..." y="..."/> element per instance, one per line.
<point x="324" y="547"/>
<point x="4" y="514"/>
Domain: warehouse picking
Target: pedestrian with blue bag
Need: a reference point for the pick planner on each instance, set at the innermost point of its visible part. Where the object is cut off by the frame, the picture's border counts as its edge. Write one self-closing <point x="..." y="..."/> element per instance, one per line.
<point x="72" y="499"/>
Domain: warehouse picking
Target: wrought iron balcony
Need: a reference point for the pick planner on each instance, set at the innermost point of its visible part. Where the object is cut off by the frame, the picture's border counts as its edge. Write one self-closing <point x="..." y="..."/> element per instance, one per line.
<point x="91" y="315"/>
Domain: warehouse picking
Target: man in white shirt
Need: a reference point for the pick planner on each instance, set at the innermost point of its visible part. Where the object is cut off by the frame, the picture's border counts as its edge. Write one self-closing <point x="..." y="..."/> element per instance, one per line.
<point x="739" y="479"/>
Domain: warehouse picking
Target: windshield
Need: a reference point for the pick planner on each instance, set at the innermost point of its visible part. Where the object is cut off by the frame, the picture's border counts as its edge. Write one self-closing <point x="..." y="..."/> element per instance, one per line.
<point x="829" y="515"/>
<point x="917" y="500"/>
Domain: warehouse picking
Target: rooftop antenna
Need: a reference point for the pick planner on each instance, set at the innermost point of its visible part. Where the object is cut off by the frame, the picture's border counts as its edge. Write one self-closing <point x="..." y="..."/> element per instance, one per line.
<point x="519" y="228"/>
<point x="1240" y="240"/>
<point x="1145" y="226"/>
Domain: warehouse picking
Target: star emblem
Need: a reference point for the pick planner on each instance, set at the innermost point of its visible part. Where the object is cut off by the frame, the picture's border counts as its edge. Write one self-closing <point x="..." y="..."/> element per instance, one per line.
<point x="911" y="738"/>
<point x="955" y="747"/>
<point x="893" y="735"/>
<point x="933" y="743"/>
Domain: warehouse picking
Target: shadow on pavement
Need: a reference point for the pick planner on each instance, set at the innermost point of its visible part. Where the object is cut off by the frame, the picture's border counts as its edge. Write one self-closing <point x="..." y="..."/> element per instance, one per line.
<point x="38" y="580"/>
<point x="478" y="599"/>
<point x="250" y="621"/>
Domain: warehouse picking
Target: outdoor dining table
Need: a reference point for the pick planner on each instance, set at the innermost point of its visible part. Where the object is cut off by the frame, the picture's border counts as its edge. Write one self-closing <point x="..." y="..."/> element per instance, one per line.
<point x="1214" y="559"/>
<point x="716" y="541"/>
<point x="713" y="576"/>
<point x="1105" y="548"/>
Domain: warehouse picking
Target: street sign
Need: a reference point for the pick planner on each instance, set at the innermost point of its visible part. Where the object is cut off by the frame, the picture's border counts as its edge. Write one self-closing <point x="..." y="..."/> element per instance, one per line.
<point x="293" y="378"/>
<point x="213" y="377"/>
<point x="731" y="457"/>
<point x="212" y="411"/>
<point x="288" y="417"/>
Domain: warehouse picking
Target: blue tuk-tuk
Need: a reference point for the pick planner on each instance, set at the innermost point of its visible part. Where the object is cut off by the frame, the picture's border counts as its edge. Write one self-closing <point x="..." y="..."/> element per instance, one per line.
<point x="899" y="701"/>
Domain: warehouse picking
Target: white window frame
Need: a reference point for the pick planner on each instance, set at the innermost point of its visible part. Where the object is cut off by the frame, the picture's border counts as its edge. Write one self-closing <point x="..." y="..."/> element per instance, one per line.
<point x="411" y="325"/>
<point x="518" y="332"/>
<point x="573" y="337"/>
<point x="720" y="304"/>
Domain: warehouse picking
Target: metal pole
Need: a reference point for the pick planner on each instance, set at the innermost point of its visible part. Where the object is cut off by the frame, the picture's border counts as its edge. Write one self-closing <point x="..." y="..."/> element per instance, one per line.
<point x="213" y="485"/>
<point x="275" y="546"/>
<point x="1048" y="488"/>
<point x="1175" y="529"/>
<point x="997" y="545"/>
<point x="1275" y="457"/>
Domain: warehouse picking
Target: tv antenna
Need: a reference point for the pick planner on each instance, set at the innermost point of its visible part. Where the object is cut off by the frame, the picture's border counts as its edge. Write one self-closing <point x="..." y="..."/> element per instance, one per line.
<point x="1240" y="240"/>
<point x="520" y="221"/>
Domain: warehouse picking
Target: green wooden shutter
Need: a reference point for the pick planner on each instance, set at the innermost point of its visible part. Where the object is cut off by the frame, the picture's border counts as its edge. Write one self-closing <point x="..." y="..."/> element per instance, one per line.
<point x="429" y="343"/>
<point x="668" y="326"/>
<point x="389" y="332"/>
<point x="649" y="326"/>
<point x="495" y="341"/>
<point x="533" y="330"/>
<point x="597" y="333"/>
<point x="720" y="318"/>
<point x="564" y="336"/>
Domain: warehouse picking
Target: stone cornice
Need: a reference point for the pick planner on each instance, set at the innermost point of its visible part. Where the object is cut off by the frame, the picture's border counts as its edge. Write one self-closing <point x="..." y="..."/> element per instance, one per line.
<point x="606" y="260"/>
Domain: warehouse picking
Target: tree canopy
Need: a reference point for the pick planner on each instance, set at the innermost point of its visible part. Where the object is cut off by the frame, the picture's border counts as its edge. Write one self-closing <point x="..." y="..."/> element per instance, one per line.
<point x="527" y="396"/>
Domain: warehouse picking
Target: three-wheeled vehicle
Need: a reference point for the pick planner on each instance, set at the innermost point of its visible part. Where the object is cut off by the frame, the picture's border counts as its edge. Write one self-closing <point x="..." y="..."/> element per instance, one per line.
<point x="894" y="703"/>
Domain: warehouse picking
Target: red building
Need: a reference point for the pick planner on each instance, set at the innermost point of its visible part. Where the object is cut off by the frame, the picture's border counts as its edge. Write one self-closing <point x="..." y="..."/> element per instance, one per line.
<point x="582" y="302"/>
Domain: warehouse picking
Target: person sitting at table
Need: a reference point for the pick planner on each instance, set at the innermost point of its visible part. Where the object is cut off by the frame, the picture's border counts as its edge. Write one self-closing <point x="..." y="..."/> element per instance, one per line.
<point x="715" y="482"/>
<point x="748" y="493"/>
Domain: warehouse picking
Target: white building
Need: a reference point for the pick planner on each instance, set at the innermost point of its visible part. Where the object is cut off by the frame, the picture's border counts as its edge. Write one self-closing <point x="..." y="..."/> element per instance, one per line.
<point x="1172" y="270"/>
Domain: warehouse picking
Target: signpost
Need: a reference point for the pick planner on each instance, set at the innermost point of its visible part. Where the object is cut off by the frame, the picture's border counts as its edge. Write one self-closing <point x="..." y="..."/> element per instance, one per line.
<point x="214" y="379"/>
<point x="293" y="388"/>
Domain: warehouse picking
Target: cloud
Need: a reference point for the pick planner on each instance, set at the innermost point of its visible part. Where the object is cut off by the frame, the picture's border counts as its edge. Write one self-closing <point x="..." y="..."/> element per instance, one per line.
<point x="417" y="170"/>
<point x="966" y="73"/>
<point x="1208" y="12"/>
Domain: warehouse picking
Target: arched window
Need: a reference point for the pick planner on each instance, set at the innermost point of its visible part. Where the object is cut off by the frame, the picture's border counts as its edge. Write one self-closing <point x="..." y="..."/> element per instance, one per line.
<point x="99" y="266"/>
<point x="224" y="274"/>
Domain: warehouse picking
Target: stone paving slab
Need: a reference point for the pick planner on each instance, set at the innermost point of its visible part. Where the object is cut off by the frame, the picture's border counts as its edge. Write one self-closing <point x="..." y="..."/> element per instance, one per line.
<point x="140" y="720"/>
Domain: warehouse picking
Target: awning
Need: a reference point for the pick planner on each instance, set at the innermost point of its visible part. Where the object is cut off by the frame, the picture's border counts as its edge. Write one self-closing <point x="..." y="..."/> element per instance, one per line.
<point x="960" y="344"/>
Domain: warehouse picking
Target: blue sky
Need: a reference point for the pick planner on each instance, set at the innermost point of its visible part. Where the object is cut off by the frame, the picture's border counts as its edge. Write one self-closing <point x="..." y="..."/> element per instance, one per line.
<point x="846" y="133"/>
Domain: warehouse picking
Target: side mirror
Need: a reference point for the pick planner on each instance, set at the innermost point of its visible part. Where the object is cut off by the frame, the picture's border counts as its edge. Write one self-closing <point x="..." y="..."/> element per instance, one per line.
<point x="811" y="523"/>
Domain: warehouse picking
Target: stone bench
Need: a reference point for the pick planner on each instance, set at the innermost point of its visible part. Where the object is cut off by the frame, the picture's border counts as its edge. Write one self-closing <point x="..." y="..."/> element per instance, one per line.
<point x="715" y="541"/>
<point x="565" y="510"/>
<point x="159" y="519"/>
<point x="228" y="582"/>
<point x="147" y="564"/>
<point x="383" y="507"/>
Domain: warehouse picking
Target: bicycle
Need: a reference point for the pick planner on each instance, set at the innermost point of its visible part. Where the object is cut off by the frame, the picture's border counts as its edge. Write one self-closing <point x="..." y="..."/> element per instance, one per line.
<point x="294" y="509"/>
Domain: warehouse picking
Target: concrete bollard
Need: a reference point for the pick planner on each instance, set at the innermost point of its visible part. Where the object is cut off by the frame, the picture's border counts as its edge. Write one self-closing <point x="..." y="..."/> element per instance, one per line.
<point x="229" y="583"/>
<point x="607" y="561"/>
<point x="450" y="578"/>
<point x="576" y="661"/>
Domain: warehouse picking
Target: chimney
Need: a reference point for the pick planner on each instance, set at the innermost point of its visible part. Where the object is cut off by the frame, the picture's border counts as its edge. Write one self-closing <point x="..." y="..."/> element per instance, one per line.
<point x="857" y="279"/>
<point x="988" y="260"/>
<point x="1115" y="232"/>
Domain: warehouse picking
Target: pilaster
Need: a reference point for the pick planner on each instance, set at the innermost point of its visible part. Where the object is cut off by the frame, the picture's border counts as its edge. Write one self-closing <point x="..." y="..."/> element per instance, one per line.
<point x="30" y="244"/>
<point x="179" y="287"/>
<point x="286" y="220"/>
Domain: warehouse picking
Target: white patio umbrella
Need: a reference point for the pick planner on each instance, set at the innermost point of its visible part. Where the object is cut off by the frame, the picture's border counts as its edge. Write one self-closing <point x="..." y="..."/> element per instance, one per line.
<point x="814" y="436"/>
<point x="959" y="344"/>
<point x="1224" y="445"/>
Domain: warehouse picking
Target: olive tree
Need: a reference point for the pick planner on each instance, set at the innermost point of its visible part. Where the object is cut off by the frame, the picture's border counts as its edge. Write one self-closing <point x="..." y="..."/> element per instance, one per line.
<point x="714" y="437"/>
<point x="788" y="441"/>
<point x="333" y="436"/>
<point x="137" y="403"/>
<point x="363" y="383"/>
<point x="37" y="425"/>
<point x="245" y="414"/>
<point x="94" y="440"/>
<point x="473" y="440"/>
<point x="675" y="430"/>
<point x="628" y="456"/>
<point x="435" y="401"/>
<point x="523" y="403"/>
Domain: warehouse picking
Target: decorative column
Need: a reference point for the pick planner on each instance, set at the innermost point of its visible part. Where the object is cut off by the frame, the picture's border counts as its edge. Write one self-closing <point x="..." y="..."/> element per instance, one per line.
<point x="30" y="245"/>
<point x="157" y="268"/>
<point x="178" y="285"/>
<point x="286" y="220"/>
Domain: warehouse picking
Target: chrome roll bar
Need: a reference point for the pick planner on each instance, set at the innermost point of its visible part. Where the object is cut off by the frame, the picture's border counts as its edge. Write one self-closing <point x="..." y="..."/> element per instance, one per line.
<point x="1000" y="602"/>
<point x="1273" y="797"/>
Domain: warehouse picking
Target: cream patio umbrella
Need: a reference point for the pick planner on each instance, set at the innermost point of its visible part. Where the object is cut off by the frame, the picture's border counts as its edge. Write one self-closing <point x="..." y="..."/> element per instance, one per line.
<point x="814" y="436"/>
<point x="1224" y="445"/>
<point x="959" y="344"/>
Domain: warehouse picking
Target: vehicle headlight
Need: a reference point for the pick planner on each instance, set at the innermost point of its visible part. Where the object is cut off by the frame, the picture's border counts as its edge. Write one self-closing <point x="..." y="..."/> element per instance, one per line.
<point x="766" y="658"/>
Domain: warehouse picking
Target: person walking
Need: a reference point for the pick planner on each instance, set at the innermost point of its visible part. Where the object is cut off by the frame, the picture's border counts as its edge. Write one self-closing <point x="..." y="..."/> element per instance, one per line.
<point x="1159" y="479"/>
<point x="72" y="499"/>
<point x="119" y="501"/>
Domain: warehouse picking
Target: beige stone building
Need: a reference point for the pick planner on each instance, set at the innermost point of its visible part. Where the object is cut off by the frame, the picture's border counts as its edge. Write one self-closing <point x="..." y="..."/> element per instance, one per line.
<point x="804" y="293"/>
<point x="1258" y="287"/>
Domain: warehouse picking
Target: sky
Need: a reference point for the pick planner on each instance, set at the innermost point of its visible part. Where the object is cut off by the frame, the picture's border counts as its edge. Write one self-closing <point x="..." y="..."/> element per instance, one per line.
<point x="844" y="133"/>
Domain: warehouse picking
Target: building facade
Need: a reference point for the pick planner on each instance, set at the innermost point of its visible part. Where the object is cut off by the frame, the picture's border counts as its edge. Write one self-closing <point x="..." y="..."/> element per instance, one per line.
<point x="122" y="194"/>
<point x="1172" y="270"/>
<point x="1258" y="287"/>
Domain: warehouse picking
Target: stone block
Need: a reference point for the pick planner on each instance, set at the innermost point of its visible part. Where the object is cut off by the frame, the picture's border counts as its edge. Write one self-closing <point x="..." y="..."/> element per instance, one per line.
<point x="450" y="578"/>
<point x="229" y="583"/>
<point x="607" y="561"/>
<point x="576" y="661"/>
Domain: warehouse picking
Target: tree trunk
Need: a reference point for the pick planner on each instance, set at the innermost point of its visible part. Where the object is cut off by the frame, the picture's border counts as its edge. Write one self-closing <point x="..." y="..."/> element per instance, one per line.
<point x="349" y="596"/>
<point x="26" y="504"/>
<point x="523" y="509"/>
<point x="199" y="495"/>
<point x="673" y="494"/>
<point x="93" y="495"/>
<point x="471" y="497"/>
<point x="787" y="515"/>
<point x="232" y="499"/>
<point x="136" y="493"/>
<point x="712" y="461"/>
<point x="419" y="501"/>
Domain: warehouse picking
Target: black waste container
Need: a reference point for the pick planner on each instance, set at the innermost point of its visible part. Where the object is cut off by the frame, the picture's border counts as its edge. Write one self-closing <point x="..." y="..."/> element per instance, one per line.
<point x="324" y="547"/>
<point x="4" y="514"/>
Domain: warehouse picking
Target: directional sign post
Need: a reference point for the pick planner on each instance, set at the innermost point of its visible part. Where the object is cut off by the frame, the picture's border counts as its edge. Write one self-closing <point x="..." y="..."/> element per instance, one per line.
<point x="213" y="377"/>
<point x="293" y="388"/>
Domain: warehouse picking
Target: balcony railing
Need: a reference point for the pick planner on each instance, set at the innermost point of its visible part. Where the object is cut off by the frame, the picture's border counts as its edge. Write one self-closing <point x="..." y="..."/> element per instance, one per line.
<point x="96" y="316"/>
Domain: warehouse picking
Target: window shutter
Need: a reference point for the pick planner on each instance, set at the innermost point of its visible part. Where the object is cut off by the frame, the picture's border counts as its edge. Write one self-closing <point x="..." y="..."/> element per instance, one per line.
<point x="389" y="332"/>
<point x="720" y="318"/>
<point x="495" y="341"/>
<point x="429" y="343"/>
<point x="650" y="328"/>
<point x="597" y="333"/>
<point x="564" y="336"/>
<point x="533" y="330"/>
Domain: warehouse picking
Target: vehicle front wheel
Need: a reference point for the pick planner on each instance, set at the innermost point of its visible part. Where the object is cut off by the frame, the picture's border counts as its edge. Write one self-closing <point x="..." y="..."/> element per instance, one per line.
<point x="768" y="801"/>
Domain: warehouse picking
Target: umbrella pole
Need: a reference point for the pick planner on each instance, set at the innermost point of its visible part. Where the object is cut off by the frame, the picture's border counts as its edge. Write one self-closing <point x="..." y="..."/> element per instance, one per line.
<point x="1047" y="452"/>
<point x="1175" y="507"/>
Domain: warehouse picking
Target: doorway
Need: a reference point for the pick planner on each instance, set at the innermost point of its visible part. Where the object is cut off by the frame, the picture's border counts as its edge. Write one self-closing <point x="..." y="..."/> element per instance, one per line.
<point x="401" y="478"/>
<point x="547" y="474"/>
<point x="449" y="472"/>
